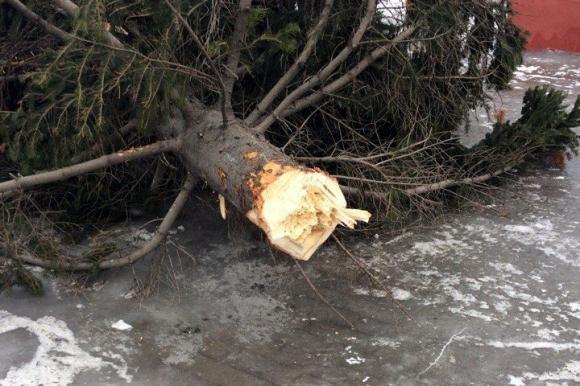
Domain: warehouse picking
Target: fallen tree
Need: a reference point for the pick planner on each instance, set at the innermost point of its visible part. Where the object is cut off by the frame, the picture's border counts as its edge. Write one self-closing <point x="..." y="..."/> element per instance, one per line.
<point x="254" y="97"/>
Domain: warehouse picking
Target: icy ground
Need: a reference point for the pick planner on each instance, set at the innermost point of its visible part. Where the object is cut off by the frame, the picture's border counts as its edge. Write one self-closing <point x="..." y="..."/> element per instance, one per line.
<point x="494" y="294"/>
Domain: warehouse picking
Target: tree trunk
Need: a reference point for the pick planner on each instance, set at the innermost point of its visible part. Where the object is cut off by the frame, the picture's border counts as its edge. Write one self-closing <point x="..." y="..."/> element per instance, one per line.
<point x="297" y="207"/>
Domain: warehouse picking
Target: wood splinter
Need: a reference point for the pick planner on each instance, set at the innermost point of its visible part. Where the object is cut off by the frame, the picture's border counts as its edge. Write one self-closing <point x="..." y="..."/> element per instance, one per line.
<point x="299" y="208"/>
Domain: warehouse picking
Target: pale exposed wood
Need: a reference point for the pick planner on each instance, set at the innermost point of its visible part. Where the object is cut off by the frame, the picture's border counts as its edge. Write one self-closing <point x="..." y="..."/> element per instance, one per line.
<point x="222" y="202"/>
<point x="300" y="208"/>
<point x="72" y="10"/>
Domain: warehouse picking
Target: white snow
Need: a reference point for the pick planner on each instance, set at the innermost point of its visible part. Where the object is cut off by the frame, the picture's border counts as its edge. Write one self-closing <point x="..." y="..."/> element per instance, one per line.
<point x="528" y="69"/>
<point x="58" y="358"/>
<point x="393" y="12"/>
<point x="516" y="381"/>
<point x="472" y="313"/>
<point x="121" y="325"/>
<point x="519" y="228"/>
<point x="536" y="345"/>
<point x="570" y="372"/>
<point x="506" y="267"/>
<point x="401" y="294"/>
<point x="355" y="360"/>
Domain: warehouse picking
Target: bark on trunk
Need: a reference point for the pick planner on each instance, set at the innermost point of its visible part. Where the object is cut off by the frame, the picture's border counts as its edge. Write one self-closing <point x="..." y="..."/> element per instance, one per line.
<point x="297" y="207"/>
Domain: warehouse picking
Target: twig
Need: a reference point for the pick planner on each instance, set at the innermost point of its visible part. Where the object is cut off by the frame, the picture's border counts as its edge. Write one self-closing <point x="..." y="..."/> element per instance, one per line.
<point x="93" y="150"/>
<point x="373" y="278"/>
<point x="432" y="187"/>
<point x="322" y="298"/>
<point x="442" y="350"/>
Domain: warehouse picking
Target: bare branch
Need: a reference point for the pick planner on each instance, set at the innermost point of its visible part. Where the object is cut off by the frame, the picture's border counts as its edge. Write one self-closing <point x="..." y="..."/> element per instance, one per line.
<point x="159" y="237"/>
<point x="464" y="181"/>
<point x="314" y="35"/>
<point x="325" y="72"/>
<point x="211" y="62"/>
<point x="29" y="14"/>
<point x="441" y="185"/>
<point x="235" y="46"/>
<point x="347" y="78"/>
<point x="68" y="7"/>
<point x="89" y="166"/>
<point x="72" y="10"/>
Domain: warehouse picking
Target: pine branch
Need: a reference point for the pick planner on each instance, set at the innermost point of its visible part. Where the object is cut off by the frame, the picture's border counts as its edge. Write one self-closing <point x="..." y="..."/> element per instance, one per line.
<point x="159" y="237"/>
<point x="325" y="72"/>
<point x="72" y="10"/>
<point x="441" y="185"/>
<point x="211" y="62"/>
<point x="349" y="77"/>
<point x="89" y="166"/>
<point x="314" y="35"/>
<point x="31" y="15"/>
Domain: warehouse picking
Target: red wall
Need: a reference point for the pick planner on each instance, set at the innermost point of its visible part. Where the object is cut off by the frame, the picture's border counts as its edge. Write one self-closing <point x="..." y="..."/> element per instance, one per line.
<point x="552" y="23"/>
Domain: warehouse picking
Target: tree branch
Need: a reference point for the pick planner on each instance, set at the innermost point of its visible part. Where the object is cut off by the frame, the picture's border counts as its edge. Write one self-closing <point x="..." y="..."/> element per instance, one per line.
<point x="314" y="35"/>
<point x="89" y="166"/>
<point x="159" y="237"/>
<point x="93" y="150"/>
<point x="211" y="62"/>
<point x="72" y="10"/>
<point x="339" y="83"/>
<point x="235" y="46"/>
<point x="31" y="15"/>
<point x="325" y="72"/>
<point x="449" y="183"/>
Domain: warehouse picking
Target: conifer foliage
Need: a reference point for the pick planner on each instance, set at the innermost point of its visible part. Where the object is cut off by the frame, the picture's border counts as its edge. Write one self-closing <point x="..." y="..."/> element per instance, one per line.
<point x="370" y="91"/>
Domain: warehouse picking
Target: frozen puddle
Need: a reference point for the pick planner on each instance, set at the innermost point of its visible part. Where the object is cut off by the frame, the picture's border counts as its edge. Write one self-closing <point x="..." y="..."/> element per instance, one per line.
<point x="58" y="358"/>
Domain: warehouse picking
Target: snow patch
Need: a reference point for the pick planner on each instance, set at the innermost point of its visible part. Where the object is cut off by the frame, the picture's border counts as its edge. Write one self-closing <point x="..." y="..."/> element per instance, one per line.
<point x="536" y="345"/>
<point x="401" y="294"/>
<point x="516" y="381"/>
<point x="58" y="358"/>
<point x="121" y="325"/>
<point x="393" y="12"/>
<point x="471" y="313"/>
<point x="570" y="372"/>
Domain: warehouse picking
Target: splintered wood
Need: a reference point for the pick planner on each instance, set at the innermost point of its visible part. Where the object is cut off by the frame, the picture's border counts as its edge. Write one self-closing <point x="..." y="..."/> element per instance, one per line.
<point x="299" y="208"/>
